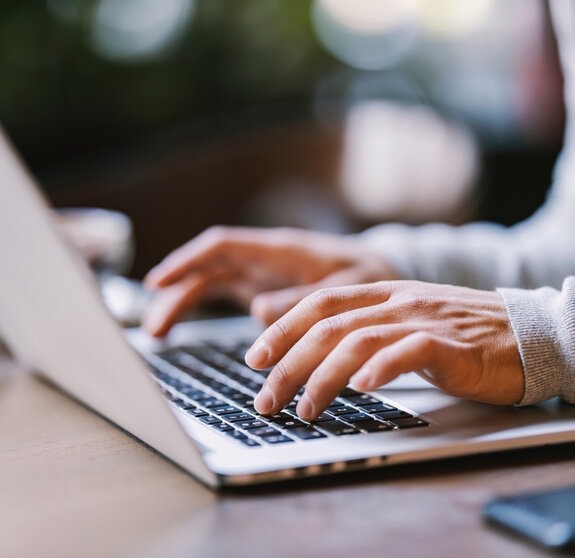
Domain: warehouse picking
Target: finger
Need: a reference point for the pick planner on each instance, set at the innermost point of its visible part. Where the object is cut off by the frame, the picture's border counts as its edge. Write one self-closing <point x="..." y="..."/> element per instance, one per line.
<point x="292" y="371"/>
<point x="334" y="372"/>
<point x="173" y="301"/>
<point x="270" y="306"/>
<point x="421" y="352"/>
<point x="238" y="243"/>
<point x="275" y="342"/>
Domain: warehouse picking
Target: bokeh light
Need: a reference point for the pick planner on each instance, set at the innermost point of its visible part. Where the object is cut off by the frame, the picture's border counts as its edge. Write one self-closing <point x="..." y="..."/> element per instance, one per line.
<point x="139" y="30"/>
<point x="366" y="34"/>
<point x="452" y="19"/>
<point x="406" y="162"/>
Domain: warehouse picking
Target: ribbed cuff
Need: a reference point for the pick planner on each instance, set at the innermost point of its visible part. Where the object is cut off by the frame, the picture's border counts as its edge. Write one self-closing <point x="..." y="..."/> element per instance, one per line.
<point x="535" y="329"/>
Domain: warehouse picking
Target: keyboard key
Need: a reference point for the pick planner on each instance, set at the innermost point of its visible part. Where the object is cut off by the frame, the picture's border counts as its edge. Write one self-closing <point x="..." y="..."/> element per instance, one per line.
<point x="212" y="402"/>
<point x="343" y="410"/>
<point x="265" y="431"/>
<point x="322" y="418"/>
<point x="241" y="398"/>
<point x="355" y="417"/>
<point x="222" y="427"/>
<point x="195" y="411"/>
<point x="225" y="410"/>
<point x="205" y="354"/>
<point x="348" y="392"/>
<point x="236" y="434"/>
<point x="284" y="420"/>
<point x="393" y="414"/>
<point x="238" y="417"/>
<point x="337" y="428"/>
<point x="209" y="419"/>
<point x="228" y="391"/>
<point x="307" y="433"/>
<point x="409" y="422"/>
<point x="250" y="424"/>
<point x="241" y="437"/>
<point x="335" y="404"/>
<point x="362" y="399"/>
<point x="211" y="383"/>
<point x="376" y="407"/>
<point x="239" y="354"/>
<point x="280" y="439"/>
<point x="193" y="393"/>
<point x="373" y="426"/>
<point x="251" y="385"/>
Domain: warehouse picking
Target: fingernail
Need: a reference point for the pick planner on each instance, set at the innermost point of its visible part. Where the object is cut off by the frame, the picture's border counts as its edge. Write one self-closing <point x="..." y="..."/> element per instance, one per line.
<point x="264" y="401"/>
<point x="304" y="408"/>
<point x="258" y="355"/>
<point x="362" y="380"/>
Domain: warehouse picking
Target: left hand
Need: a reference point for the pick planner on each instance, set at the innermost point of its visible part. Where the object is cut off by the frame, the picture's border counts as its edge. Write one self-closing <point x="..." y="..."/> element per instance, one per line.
<point x="458" y="339"/>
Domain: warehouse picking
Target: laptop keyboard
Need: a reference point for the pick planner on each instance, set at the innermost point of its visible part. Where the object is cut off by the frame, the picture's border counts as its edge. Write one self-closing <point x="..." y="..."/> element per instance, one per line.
<point x="213" y="385"/>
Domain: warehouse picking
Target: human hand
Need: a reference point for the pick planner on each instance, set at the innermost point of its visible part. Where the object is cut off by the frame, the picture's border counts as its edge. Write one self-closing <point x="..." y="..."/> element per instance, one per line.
<point x="269" y="270"/>
<point x="458" y="339"/>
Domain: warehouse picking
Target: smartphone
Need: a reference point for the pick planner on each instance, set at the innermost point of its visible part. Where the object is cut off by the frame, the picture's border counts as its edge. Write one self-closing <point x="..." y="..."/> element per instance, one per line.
<point x="546" y="517"/>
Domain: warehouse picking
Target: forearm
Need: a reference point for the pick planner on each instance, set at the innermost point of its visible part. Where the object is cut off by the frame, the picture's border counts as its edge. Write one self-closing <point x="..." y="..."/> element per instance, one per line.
<point x="535" y="253"/>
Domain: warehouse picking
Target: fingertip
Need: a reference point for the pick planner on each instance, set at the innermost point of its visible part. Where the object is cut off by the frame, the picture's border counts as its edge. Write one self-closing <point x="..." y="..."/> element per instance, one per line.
<point x="363" y="380"/>
<point x="305" y="408"/>
<point x="262" y="309"/>
<point x="154" y="328"/>
<point x="258" y="356"/>
<point x="155" y="321"/>
<point x="264" y="401"/>
<point x="149" y="282"/>
<point x="158" y="279"/>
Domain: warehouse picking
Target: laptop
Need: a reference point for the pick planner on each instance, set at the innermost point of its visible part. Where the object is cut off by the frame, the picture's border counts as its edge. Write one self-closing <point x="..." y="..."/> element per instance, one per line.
<point x="190" y="396"/>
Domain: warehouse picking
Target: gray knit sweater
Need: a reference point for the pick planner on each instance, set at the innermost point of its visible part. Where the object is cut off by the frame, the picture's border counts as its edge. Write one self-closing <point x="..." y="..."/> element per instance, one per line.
<point x="531" y="264"/>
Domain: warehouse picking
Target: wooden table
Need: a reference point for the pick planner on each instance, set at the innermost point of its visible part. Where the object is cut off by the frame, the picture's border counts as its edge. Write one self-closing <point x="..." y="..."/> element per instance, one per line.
<point x="73" y="485"/>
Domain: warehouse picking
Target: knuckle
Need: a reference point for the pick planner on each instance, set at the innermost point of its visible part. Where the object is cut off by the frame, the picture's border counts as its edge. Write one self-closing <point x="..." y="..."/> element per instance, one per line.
<point x="425" y="342"/>
<point x="327" y="329"/>
<point x="363" y="339"/>
<point x="323" y="299"/>
<point x="414" y="301"/>
<point x="277" y="332"/>
<point x="217" y="234"/>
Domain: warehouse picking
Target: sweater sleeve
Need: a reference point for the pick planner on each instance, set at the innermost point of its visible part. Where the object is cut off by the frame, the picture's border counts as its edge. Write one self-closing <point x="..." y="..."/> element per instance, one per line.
<point x="537" y="252"/>
<point x="543" y="321"/>
<point x="535" y="255"/>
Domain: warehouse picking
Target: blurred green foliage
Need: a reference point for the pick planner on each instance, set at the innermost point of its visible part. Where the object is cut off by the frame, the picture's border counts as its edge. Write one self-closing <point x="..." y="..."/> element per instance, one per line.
<point x="59" y="99"/>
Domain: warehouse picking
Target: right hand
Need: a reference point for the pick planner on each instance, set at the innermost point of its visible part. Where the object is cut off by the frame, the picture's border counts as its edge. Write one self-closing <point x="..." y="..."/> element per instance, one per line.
<point x="267" y="270"/>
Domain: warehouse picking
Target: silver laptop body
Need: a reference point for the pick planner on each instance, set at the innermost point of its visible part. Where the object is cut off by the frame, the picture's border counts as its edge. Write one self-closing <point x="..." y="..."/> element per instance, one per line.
<point x="53" y="320"/>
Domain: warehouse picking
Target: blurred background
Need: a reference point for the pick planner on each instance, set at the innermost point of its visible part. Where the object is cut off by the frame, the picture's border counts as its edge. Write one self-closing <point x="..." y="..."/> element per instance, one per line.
<point x="324" y="114"/>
